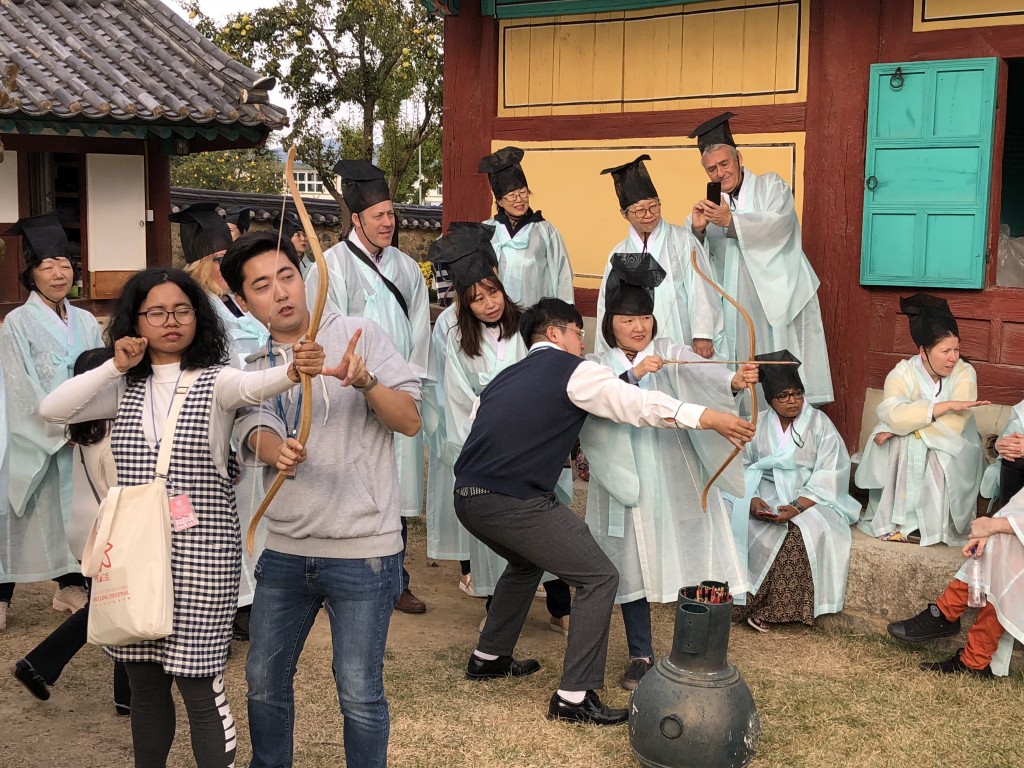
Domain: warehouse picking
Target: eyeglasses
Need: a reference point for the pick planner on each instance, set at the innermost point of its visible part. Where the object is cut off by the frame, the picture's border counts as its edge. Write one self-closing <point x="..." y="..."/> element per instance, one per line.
<point x="580" y="331"/>
<point x="642" y="213"/>
<point x="158" y="317"/>
<point x="515" y="197"/>
<point x="789" y="397"/>
<point x="218" y="259"/>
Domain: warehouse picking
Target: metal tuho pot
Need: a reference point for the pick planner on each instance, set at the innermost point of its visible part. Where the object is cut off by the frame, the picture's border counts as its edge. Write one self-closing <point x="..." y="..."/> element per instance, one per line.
<point x="693" y="709"/>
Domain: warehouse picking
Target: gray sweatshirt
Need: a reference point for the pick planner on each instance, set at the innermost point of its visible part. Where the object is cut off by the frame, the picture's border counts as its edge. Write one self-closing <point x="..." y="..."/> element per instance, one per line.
<point x="344" y="500"/>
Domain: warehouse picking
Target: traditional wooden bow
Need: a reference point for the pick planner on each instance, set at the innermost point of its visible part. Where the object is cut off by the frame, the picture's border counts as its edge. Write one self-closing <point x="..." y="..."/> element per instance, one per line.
<point x="306" y="413"/>
<point x="751" y="387"/>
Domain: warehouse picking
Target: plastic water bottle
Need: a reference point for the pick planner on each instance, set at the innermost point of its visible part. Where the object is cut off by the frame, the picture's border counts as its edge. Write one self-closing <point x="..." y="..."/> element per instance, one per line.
<point x="975" y="587"/>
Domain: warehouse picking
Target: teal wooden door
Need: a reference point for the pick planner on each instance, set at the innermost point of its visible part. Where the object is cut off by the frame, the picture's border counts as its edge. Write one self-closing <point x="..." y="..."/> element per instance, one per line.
<point x="928" y="172"/>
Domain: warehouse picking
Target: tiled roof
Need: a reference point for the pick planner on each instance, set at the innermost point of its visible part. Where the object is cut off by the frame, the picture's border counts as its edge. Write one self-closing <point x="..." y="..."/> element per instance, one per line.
<point x="124" y="61"/>
<point x="322" y="212"/>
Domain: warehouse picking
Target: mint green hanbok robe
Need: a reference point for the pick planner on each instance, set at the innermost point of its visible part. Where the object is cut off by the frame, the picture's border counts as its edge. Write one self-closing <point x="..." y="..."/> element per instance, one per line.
<point x="990" y="479"/>
<point x="356" y="290"/>
<point x="764" y="268"/>
<point x="247" y="335"/>
<point x="925" y="478"/>
<point x="643" y="501"/>
<point x="809" y="459"/>
<point x="686" y="306"/>
<point x="532" y="264"/>
<point x="37" y="353"/>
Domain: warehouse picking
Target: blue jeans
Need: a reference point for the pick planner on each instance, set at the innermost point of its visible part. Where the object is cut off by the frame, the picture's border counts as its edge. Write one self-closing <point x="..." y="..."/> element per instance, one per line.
<point x="359" y="596"/>
<point x="637" y="618"/>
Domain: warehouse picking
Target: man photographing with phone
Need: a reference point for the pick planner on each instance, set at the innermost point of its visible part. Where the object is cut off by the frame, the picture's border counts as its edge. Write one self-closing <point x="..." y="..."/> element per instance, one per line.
<point x="748" y="224"/>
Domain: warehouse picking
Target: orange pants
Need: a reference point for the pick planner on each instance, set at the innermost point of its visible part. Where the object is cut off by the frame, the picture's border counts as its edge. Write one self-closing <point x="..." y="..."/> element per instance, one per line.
<point x="983" y="638"/>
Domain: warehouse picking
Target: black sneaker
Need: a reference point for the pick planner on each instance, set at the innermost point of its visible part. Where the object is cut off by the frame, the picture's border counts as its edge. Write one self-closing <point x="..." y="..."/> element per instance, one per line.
<point x="954" y="666"/>
<point x="503" y="666"/>
<point x="929" y="624"/>
<point x="26" y="675"/>
<point x="634" y="672"/>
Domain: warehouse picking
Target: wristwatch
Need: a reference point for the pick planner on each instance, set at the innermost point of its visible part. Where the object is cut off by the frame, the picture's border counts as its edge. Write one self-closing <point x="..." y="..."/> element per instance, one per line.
<point x="373" y="382"/>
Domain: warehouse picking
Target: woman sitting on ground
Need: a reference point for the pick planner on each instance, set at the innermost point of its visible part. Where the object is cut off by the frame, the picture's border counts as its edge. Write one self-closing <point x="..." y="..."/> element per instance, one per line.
<point x="793" y="526"/>
<point x="922" y="464"/>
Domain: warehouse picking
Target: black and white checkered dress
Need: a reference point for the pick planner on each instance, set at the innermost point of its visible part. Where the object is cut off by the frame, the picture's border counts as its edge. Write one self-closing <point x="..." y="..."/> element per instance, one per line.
<point x="205" y="559"/>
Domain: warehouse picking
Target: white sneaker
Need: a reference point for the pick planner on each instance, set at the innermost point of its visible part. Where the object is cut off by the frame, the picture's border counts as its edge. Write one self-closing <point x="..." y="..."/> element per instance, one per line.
<point x="3" y="615"/>
<point x="70" y="599"/>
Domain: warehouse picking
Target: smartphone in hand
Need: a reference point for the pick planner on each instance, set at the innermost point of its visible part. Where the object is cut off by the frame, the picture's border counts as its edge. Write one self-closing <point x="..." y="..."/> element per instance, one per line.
<point x="715" y="192"/>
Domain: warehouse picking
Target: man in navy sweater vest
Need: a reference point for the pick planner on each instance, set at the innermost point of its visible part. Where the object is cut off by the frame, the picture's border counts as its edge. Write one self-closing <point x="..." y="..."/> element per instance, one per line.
<point x="525" y="425"/>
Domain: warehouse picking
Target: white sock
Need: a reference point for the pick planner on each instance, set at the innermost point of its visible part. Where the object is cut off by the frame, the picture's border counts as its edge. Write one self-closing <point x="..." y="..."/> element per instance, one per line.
<point x="573" y="697"/>
<point x="487" y="657"/>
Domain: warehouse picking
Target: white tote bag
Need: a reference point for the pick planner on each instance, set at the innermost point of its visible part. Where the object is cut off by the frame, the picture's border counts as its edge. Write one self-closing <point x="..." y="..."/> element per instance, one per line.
<point x="128" y="553"/>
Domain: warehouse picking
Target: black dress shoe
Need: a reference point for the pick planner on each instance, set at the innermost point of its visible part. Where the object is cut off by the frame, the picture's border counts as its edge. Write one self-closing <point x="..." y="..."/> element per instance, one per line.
<point x="503" y="666"/>
<point x="31" y="679"/>
<point x="590" y="710"/>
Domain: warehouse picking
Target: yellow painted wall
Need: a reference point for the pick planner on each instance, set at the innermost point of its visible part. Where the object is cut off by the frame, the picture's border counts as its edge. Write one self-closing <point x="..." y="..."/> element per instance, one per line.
<point x="723" y="53"/>
<point x="567" y="186"/>
<point x="959" y="14"/>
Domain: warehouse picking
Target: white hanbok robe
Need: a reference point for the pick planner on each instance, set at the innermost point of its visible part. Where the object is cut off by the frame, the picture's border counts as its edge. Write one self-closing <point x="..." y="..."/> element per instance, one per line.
<point x="37" y="353"/>
<point x="764" y="268"/>
<point x="247" y="336"/>
<point x="686" y="307"/>
<point x="927" y="477"/>
<point x="809" y="459"/>
<point x="534" y="263"/>
<point x="990" y="479"/>
<point x="356" y="290"/>
<point x="643" y="501"/>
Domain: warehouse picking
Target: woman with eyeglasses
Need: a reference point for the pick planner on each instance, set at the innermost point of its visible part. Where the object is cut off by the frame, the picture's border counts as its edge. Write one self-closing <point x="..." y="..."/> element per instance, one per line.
<point x="163" y="326"/>
<point x="643" y="504"/>
<point x="922" y="465"/>
<point x="473" y="340"/>
<point x="39" y="343"/>
<point x="793" y="524"/>
<point x="532" y="260"/>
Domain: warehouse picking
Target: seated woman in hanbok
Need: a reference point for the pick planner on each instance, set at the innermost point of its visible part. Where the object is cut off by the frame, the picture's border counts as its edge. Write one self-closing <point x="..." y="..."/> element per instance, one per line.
<point x="793" y="524"/>
<point x="473" y="340"/>
<point x="1005" y="476"/>
<point x="999" y="542"/>
<point x="922" y="464"/>
<point x="643" y="503"/>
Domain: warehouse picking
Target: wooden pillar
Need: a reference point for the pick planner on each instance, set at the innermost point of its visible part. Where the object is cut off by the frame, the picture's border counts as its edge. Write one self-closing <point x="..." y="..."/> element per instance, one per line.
<point x="843" y="46"/>
<point x="158" y="200"/>
<point x="470" y="105"/>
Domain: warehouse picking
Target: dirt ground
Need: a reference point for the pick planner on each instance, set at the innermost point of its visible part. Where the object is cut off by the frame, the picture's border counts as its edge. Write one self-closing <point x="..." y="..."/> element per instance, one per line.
<point x="825" y="699"/>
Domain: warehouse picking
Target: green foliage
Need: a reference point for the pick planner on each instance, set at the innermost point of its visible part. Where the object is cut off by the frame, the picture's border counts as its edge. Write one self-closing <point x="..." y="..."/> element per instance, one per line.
<point x="372" y="56"/>
<point x="232" y="170"/>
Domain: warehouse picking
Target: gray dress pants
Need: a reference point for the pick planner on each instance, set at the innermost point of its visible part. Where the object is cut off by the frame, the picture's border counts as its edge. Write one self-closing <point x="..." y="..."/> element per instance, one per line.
<point x="537" y="535"/>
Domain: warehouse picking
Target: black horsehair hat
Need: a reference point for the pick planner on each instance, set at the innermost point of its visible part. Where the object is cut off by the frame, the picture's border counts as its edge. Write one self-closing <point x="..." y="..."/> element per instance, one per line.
<point x="466" y="253"/>
<point x="290" y="224"/>
<point x="778" y="378"/>
<point x="632" y="182"/>
<point x="44" y="235"/>
<point x="362" y="184"/>
<point x="203" y="230"/>
<point x="629" y="289"/>
<point x="240" y="216"/>
<point x="929" y="316"/>
<point x="503" y="170"/>
<point x="715" y="131"/>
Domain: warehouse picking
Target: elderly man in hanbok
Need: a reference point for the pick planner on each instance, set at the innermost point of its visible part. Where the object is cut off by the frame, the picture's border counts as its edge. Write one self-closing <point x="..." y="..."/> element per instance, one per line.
<point x="753" y="239"/>
<point x="689" y="311"/>
<point x="1004" y="477"/>
<point x="205" y="236"/>
<point x="793" y="524"/>
<point x="368" y="277"/>
<point x="922" y="464"/>
<point x="643" y="505"/>
<point x="999" y="542"/>
<point x="39" y="343"/>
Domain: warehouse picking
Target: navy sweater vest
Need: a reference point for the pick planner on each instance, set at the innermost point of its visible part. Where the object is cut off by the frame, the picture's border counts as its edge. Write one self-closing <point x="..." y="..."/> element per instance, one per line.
<point x="525" y="428"/>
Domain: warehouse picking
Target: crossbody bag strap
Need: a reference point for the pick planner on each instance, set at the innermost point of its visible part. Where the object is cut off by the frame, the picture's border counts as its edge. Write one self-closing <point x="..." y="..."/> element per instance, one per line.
<point x="163" y="460"/>
<point x="85" y="468"/>
<point x="363" y="257"/>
